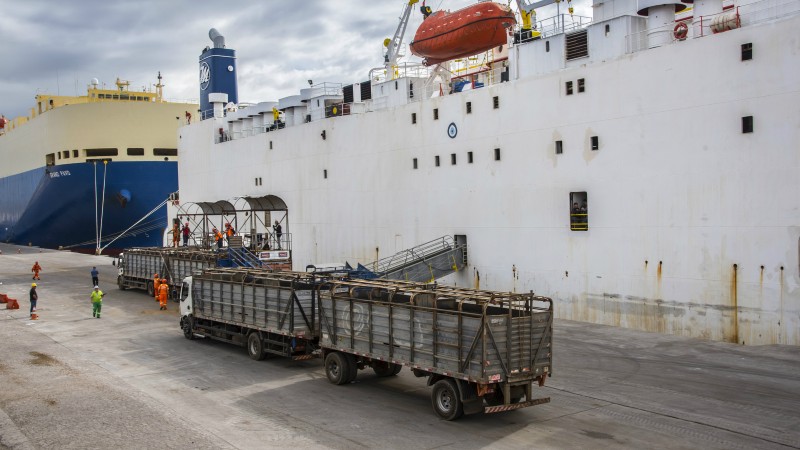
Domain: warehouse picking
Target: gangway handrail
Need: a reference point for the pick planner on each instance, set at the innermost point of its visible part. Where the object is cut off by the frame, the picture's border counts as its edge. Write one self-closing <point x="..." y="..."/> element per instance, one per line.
<point x="413" y="255"/>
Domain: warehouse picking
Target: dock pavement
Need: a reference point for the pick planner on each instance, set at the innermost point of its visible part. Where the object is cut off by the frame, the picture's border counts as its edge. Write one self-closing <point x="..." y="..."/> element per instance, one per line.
<point x="131" y="380"/>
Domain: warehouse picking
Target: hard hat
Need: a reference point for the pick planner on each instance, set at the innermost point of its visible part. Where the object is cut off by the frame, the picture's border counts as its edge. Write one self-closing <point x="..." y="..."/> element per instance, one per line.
<point x="163" y="280"/>
<point x="156" y="275"/>
<point x="33" y="284"/>
<point x="97" y="287"/>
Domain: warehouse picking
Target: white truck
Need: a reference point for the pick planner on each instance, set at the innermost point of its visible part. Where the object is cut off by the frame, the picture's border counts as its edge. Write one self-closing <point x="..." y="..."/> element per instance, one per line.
<point x="481" y="351"/>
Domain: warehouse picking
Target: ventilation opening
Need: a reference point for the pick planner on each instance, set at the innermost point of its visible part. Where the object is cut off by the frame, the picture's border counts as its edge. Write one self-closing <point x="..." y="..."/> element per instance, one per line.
<point x="413" y="118"/>
<point x="452" y="159"/>
<point x="366" y="90"/>
<point x="747" y="124"/>
<point x="577" y="45"/>
<point x="497" y="154"/>
<point x="547" y="46"/>
<point x="608" y="29"/>
<point x="595" y="143"/>
<point x="415" y="163"/>
<point x="325" y="173"/>
<point x="74" y="153"/>
<point x="161" y="152"/>
<point x="559" y="147"/>
<point x="96" y="152"/>
<point x="581" y="85"/>
<point x="747" y="51"/>
<point x="568" y="86"/>
<point x="496" y="102"/>
<point x="347" y="93"/>
<point x="437" y="160"/>
<point x="435" y="113"/>
<point x="469" y="107"/>
<point x="579" y="211"/>
<point x="135" y="152"/>
<point x="50" y="159"/>
<point x="469" y="157"/>
<point x="270" y="145"/>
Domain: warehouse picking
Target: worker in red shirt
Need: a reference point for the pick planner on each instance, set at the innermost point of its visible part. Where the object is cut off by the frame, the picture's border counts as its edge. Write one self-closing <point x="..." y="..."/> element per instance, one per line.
<point x="36" y="269"/>
<point x="163" y="293"/>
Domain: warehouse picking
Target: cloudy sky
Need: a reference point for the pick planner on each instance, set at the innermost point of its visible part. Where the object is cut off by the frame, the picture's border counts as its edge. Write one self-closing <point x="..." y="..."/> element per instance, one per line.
<point x="50" y="46"/>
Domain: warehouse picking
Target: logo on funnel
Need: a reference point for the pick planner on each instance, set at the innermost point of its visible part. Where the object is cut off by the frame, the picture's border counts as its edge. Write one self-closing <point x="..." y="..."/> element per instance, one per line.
<point x="205" y="76"/>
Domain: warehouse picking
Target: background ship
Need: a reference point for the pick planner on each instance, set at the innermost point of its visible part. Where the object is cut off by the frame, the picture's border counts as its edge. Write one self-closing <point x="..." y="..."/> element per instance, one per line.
<point x="90" y="172"/>
<point x="640" y="168"/>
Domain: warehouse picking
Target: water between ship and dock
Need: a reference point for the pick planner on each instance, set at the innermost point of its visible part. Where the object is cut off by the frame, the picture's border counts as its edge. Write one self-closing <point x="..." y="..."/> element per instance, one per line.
<point x="132" y="380"/>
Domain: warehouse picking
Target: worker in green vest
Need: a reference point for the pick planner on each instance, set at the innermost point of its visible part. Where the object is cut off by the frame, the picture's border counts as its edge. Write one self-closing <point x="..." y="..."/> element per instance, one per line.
<point x="97" y="301"/>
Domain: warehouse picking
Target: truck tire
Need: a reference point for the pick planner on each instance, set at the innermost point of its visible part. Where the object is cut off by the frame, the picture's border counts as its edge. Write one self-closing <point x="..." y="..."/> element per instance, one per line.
<point x="150" y="290"/>
<point x="446" y="401"/>
<point x="385" y="369"/>
<point x="338" y="368"/>
<point x="187" y="327"/>
<point x="120" y="284"/>
<point x="255" y="346"/>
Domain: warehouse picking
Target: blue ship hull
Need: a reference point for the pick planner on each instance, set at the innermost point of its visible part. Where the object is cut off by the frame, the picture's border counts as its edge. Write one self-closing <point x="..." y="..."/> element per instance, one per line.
<point x="57" y="207"/>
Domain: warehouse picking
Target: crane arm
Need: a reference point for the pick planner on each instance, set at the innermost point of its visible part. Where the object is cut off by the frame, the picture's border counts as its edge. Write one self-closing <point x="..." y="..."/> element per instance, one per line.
<point x="393" y="45"/>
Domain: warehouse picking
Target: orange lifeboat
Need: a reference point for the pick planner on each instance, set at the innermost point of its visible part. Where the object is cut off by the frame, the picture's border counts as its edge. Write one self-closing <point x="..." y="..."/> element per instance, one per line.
<point x="443" y="35"/>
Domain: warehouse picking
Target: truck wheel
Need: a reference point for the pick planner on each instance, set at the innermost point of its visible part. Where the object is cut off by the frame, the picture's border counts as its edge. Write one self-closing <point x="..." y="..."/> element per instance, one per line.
<point x="445" y="400"/>
<point x="150" y="290"/>
<point x="120" y="284"/>
<point x="337" y="368"/>
<point x="255" y="346"/>
<point x="385" y="369"/>
<point x="188" y="329"/>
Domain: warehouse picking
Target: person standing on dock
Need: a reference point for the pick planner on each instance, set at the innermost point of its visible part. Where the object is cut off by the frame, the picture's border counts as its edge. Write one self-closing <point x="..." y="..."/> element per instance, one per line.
<point x="97" y="301"/>
<point x="163" y="293"/>
<point x="36" y="269"/>
<point x="34" y="296"/>
<point x="156" y="285"/>
<point x="95" y="276"/>
<point x="278" y="233"/>
<point x="186" y="232"/>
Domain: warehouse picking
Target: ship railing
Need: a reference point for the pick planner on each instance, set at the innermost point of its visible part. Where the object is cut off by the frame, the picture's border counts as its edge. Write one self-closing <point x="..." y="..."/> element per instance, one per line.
<point x="558" y="24"/>
<point x="405" y="70"/>
<point x="701" y="26"/>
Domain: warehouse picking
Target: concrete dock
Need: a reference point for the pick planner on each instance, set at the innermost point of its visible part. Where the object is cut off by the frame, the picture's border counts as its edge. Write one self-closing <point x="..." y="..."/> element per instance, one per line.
<point x="131" y="380"/>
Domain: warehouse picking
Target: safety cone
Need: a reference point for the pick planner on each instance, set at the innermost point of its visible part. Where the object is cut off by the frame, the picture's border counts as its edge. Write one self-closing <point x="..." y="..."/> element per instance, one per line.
<point x="34" y="316"/>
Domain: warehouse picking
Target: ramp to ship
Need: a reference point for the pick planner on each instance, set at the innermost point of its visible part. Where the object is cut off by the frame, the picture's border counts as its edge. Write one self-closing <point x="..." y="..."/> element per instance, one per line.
<point x="423" y="263"/>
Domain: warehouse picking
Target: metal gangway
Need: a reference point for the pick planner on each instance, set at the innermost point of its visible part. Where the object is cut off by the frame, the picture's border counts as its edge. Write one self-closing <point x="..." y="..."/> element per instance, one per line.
<point x="424" y="263"/>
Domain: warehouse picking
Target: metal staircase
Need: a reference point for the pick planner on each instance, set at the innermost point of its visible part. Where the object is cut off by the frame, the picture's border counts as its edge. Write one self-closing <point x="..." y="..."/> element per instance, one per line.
<point x="423" y="263"/>
<point x="239" y="257"/>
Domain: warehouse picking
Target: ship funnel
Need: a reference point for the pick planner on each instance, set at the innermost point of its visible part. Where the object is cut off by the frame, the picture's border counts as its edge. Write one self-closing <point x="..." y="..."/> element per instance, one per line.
<point x="217" y="74"/>
<point x="218" y="39"/>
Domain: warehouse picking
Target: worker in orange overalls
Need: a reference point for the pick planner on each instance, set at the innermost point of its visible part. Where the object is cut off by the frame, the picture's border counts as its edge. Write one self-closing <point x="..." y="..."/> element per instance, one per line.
<point x="176" y="233"/>
<point x="229" y="231"/>
<point x="217" y="237"/>
<point x="36" y="269"/>
<point x="156" y="283"/>
<point x="163" y="292"/>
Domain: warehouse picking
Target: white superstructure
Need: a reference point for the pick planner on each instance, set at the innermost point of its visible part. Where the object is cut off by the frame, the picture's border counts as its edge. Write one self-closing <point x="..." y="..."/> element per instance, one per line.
<point x="686" y="152"/>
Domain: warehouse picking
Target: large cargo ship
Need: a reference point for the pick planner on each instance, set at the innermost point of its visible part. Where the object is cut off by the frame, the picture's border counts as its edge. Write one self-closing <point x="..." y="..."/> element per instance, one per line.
<point x="640" y="168"/>
<point x="92" y="172"/>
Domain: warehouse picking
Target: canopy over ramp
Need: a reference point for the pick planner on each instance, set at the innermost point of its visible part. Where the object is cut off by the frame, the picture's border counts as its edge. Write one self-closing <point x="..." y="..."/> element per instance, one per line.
<point x="266" y="203"/>
<point x="218" y="208"/>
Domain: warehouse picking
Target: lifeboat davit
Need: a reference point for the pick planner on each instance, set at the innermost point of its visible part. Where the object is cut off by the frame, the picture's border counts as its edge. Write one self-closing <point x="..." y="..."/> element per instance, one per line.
<point x="443" y="35"/>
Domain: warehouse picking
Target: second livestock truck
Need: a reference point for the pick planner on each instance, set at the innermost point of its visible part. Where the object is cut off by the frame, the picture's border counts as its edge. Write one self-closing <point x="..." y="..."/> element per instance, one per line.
<point x="481" y="351"/>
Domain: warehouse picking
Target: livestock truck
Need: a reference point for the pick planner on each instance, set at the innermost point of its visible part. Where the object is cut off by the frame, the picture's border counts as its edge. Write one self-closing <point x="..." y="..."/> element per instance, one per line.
<point x="137" y="266"/>
<point x="480" y="351"/>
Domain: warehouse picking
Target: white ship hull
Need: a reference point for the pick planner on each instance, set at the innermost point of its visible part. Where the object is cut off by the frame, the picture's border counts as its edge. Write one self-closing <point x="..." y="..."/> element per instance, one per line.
<point x="694" y="226"/>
